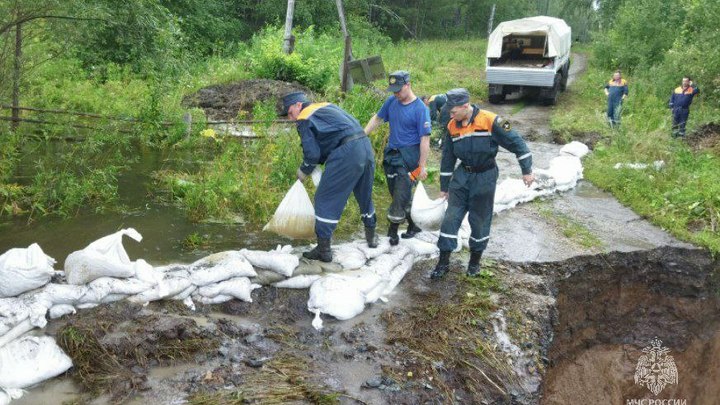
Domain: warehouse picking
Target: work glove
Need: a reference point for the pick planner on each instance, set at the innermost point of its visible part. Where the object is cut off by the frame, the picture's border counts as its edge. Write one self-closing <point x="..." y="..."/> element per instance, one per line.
<point x="418" y="173"/>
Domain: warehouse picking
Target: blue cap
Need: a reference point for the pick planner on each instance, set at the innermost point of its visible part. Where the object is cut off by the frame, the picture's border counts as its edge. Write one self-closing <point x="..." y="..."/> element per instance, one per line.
<point x="456" y="97"/>
<point x="292" y="98"/>
<point x="398" y="79"/>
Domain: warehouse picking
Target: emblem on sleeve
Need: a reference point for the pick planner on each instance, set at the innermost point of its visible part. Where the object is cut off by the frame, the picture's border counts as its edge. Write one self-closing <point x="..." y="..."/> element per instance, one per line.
<point x="506" y="125"/>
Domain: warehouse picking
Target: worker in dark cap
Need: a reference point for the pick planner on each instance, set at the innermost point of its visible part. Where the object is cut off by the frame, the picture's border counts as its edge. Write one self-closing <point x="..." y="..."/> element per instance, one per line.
<point x="332" y="137"/>
<point x="405" y="156"/>
<point x="473" y="137"/>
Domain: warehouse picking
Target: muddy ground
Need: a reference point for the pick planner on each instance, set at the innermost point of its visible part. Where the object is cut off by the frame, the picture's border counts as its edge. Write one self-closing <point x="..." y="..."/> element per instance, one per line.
<point x="573" y="288"/>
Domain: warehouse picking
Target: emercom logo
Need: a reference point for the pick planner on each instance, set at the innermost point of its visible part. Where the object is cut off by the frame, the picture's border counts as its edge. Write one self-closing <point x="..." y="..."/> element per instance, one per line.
<point x="656" y="368"/>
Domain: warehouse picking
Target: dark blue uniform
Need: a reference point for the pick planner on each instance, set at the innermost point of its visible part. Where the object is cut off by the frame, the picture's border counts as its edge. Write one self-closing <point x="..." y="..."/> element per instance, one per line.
<point x="333" y="137"/>
<point x="437" y="115"/>
<point x="616" y="91"/>
<point x="471" y="185"/>
<point x="680" y="101"/>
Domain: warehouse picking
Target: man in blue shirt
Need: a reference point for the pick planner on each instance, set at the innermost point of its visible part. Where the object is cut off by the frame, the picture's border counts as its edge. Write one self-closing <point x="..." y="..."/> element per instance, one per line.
<point x="405" y="156"/>
<point x="680" y="101"/>
<point x="616" y="91"/>
<point x="332" y="137"/>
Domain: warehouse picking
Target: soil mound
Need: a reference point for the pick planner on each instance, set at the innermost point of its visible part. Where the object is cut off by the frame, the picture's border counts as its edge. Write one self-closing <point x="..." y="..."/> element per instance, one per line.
<point x="225" y="101"/>
<point x="706" y="137"/>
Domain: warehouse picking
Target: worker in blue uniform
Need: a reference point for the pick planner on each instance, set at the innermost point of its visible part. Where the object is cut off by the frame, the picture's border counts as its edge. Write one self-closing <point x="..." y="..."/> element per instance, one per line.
<point x="331" y="136"/>
<point x="616" y="91"/>
<point x="680" y="101"/>
<point x="405" y="156"/>
<point x="473" y="138"/>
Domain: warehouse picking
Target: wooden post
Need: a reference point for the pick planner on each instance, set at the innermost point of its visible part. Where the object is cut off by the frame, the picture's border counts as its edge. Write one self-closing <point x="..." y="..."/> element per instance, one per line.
<point x="287" y="39"/>
<point x="16" y="78"/>
<point x="345" y="81"/>
<point x="187" y="119"/>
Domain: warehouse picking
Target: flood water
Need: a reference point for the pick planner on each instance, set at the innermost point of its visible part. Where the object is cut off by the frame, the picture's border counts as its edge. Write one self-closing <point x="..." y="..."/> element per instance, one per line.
<point x="163" y="226"/>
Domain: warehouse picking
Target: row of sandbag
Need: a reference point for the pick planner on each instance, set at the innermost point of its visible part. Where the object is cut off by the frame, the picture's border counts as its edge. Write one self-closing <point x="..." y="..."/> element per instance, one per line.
<point x="563" y="173"/>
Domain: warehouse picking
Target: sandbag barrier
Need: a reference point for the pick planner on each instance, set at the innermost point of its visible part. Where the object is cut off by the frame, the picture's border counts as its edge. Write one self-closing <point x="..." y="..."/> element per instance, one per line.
<point x="103" y="273"/>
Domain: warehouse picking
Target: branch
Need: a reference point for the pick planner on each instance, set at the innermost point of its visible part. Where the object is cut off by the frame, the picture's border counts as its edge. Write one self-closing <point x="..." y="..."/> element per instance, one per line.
<point x="7" y="27"/>
<point x="397" y="17"/>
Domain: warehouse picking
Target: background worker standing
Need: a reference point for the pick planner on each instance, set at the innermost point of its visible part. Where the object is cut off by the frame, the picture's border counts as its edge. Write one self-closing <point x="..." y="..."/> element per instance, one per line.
<point x="680" y="101"/>
<point x="331" y="136"/>
<point x="405" y="155"/>
<point x="616" y="91"/>
<point x="473" y="137"/>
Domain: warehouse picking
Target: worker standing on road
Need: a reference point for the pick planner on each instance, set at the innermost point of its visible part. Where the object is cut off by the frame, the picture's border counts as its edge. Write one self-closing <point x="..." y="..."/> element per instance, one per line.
<point x="473" y="137"/>
<point x="680" y="101"/>
<point x="616" y="91"/>
<point x="331" y="136"/>
<point x="406" y="153"/>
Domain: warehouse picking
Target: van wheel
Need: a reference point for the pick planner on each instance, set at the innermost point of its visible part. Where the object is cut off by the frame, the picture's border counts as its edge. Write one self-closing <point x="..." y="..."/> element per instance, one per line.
<point x="551" y="97"/>
<point x="565" y="73"/>
<point x="496" y="98"/>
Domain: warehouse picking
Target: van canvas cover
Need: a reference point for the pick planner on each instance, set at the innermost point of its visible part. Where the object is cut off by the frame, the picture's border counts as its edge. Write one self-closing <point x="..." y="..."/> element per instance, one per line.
<point x="557" y="31"/>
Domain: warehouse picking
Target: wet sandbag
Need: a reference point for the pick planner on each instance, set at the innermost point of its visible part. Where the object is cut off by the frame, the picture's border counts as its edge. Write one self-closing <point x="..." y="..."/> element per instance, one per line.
<point x="279" y="260"/>
<point x="419" y="247"/>
<point x="426" y="213"/>
<point x="239" y="287"/>
<point x="60" y="310"/>
<point x="168" y="288"/>
<point x="336" y="296"/>
<point x="295" y="216"/>
<point x="303" y="281"/>
<point x="24" y="269"/>
<point x="106" y="257"/>
<point x="30" y="360"/>
<point x="267" y="277"/>
<point x="220" y="266"/>
<point x="575" y="148"/>
<point x="348" y="256"/>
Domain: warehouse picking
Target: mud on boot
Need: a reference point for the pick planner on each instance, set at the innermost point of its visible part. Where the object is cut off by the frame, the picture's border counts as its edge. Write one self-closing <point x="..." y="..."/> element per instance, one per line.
<point x="393" y="234"/>
<point x="473" y="269"/>
<point x="370" y="237"/>
<point x="321" y="252"/>
<point x="442" y="266"/>
<point x="412" y="229"/>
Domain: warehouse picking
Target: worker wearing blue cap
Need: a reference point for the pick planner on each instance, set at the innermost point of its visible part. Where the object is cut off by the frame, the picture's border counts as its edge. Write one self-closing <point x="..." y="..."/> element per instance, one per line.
<point x="332" y="137"/>
<point x="406" y="153"/>
<point x="473" y="137"/>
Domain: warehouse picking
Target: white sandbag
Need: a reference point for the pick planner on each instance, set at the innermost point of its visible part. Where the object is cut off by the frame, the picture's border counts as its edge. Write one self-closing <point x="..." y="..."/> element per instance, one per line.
<point x="512" y="192"/>
<point x="145" y="272"/>
<point x="303" y="281"/>
<point x="239" y="287"/>
<point x="94" y="294"/>
<point x="348" y="256"/>
<point x="575" y="148"/>
<point x="371" y="253"/>
<point x="59" y="294"/>
<point x="18" y="330"/>
<point x="127" y="286"/>
<point x="24" y="269"/>
<point x="104" y="257"/>
<point x="14" y="311"/>
<point x="185" y="294"/>
<point x="336" y="296"/>
<point x="279" y="260"/>
<point x="566" y="170"/>
<point x="429" y="237"/>
<point x="90" y="305"/>
<point x="398" y="273"/>
<point x="220" y="266"/>
<point x="168" y="288"/>
<point x="295" y="216"/>
<point x="420" y="248"/>
<point x="112" y="298"/>
<point x="426" y="213"/>
<point x="175" y="270"/>
<point x="8" y="394"/>
<point x="189" y="303"/>
<point x="61" y="310"/>
<point x="383" y="265"/>
<point x="267" y="277"/>
<point x="31" y="360"/>
<point x="218" y="299"/>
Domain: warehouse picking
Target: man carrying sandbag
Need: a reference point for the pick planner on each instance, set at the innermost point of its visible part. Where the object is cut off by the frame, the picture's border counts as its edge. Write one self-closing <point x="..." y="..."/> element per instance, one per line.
<point x="331" y="136"/>
<point x="473" y="137"/>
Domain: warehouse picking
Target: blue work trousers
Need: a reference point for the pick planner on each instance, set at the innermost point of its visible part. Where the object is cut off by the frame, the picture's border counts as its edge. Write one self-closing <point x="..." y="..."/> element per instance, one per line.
<point x="680" y="117"/>
<point x="614" y="111"/>
<point x="350" y="168"/>
<point x="399" y="185"/>
<point x="472" y="194"/>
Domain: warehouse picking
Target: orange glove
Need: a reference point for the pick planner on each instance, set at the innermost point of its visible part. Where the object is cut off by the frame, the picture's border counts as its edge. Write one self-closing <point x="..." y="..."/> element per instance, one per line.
<point x="415" y="173"/>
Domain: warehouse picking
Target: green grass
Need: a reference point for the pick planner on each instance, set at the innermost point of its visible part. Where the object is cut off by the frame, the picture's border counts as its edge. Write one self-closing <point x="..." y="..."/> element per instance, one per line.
<point x="682" y="198"/>
<point x="570" y="227"/>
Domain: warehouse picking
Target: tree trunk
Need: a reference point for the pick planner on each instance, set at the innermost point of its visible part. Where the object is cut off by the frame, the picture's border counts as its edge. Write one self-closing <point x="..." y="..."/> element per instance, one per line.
<point x="288" y="43"/>
<point x="16" y="78"/>
<point x="345" y="81"/>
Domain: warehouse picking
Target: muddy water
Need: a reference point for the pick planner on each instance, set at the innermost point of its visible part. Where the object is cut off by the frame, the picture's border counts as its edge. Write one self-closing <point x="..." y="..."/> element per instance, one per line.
<point x="164" y="227"/>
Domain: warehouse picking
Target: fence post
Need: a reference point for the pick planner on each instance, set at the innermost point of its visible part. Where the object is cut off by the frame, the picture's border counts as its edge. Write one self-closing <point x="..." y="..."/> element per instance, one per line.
<point x="16" y="79"/>
<point x="187" y="119"/>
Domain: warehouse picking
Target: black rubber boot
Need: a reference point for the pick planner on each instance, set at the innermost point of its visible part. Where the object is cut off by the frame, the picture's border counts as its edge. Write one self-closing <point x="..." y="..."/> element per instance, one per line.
<point x="393" y="234"/>
<point x="442" y="266"/>
<point x="412" y="229"/>
<point x="370" y="237"/>
<point x="321" y="252"/>
<point x="474" y="264"/>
